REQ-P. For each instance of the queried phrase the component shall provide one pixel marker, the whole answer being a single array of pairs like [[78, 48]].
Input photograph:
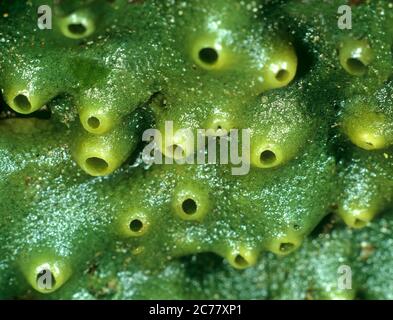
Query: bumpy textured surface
[[76, 198]]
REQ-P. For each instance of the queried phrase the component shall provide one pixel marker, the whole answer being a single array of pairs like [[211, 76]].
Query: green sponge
[[84, 213]]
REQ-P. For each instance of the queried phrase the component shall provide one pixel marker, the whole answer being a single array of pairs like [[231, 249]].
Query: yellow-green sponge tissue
[[196, 149]]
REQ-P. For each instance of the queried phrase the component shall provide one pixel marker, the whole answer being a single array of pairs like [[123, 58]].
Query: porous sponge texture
[[78, 200]]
